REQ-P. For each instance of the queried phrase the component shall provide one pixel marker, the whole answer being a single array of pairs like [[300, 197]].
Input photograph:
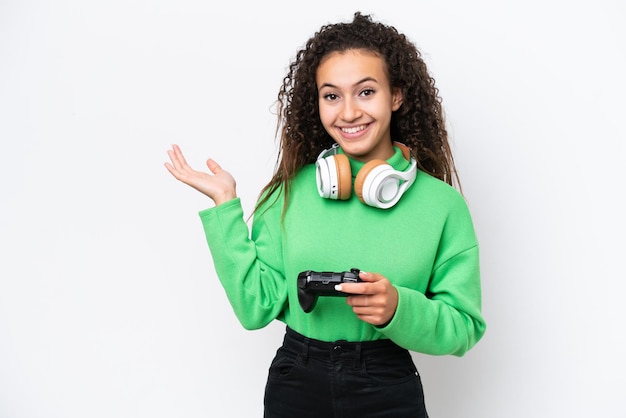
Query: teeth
[[353, 130]]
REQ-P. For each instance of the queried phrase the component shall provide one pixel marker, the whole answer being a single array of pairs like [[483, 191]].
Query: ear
[[396, 99]]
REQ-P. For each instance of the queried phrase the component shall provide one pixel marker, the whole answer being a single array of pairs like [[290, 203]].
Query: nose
[[351, 110]]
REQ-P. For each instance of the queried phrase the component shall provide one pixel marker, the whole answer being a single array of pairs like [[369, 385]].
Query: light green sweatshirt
[[425, 245]]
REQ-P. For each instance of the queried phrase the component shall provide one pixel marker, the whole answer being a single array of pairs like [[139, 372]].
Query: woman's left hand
[[374, 300]]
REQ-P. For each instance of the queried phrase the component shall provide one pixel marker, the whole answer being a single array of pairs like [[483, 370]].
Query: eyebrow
[[364, 80]]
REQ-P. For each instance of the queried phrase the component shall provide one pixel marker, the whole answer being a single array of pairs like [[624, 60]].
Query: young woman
[[365, 179]]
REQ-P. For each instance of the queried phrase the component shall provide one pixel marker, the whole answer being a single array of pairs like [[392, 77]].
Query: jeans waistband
[[294, 338]]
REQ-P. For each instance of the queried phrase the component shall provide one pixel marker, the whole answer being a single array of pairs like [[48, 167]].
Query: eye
[[367, 92], [330, 97]]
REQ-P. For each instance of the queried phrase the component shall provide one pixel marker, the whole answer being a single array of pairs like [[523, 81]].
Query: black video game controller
[[312, 284]]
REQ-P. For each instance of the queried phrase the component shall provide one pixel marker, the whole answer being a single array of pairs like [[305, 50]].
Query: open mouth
[[353, 129]]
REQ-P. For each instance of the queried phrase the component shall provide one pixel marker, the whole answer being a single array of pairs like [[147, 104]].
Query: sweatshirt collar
[[397, 161]]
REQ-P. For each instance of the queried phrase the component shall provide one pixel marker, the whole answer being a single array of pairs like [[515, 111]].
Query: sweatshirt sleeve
[[249, 266], [447, 319]]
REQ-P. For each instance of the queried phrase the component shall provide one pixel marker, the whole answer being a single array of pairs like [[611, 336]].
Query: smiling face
[[356, 102]]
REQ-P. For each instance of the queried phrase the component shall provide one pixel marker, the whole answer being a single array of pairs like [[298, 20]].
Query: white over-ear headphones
[[377, 183]]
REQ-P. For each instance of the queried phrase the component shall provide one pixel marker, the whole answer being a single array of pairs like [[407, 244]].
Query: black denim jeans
[[311, 378]]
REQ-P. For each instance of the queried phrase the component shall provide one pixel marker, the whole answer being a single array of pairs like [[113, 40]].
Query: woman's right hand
[[219, 186]]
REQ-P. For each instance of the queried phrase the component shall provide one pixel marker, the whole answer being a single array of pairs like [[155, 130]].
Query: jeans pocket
[[391, 369], [282, 365]]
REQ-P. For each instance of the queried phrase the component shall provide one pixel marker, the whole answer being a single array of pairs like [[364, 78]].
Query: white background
[[109, 304]]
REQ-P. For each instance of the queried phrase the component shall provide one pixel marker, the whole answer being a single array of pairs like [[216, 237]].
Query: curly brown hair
[[418, 123]]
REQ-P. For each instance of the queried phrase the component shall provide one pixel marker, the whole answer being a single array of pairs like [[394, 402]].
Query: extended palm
[[219, 186]]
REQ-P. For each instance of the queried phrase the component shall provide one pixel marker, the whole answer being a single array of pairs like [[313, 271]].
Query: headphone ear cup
[[344, 177], [359, 182], [334, 177]]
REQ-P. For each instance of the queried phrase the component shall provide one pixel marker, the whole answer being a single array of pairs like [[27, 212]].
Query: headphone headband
[[377, 183]]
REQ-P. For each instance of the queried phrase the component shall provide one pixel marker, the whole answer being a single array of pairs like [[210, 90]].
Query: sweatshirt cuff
[[210, 212]]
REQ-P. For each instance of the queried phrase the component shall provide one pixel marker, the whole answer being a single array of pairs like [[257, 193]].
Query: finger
[[363, 288], [175, 168], [179, 159], [370, 277], [368, 308], [171, 169], [371, 319], [358, 301], [175, 159], [351, 288], [213, 166]]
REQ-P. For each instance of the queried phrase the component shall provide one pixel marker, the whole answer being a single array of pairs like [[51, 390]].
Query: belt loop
[[305, 350], [357, 356]]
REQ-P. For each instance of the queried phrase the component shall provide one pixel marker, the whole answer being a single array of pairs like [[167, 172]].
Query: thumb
[[213, 166]]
